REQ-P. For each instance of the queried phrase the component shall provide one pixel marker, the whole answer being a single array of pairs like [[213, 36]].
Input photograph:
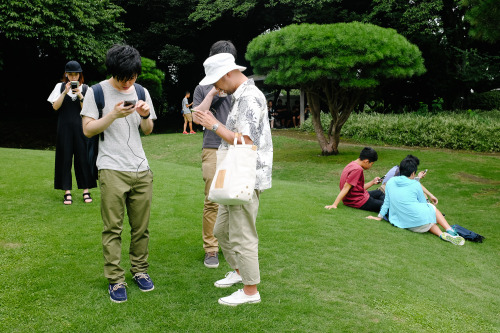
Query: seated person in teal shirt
[[408, 208], [395, 172]]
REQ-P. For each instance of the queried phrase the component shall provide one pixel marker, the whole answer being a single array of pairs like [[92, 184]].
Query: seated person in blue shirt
[[408, 208], [395, 172]]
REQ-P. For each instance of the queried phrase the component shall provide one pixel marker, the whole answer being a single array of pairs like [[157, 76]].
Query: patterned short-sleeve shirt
[[248, 116]]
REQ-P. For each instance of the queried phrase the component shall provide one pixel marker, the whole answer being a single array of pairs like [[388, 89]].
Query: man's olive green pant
[[133, 191]]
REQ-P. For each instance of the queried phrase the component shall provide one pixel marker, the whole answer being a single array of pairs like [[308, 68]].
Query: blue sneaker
[[117, 292], [452, 232], [144, 282]]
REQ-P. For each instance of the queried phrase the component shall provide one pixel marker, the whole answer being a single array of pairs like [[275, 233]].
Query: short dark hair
[[188, 92], [223, 46], [414, 158], [369, 154], [407, 167], [123, 62]]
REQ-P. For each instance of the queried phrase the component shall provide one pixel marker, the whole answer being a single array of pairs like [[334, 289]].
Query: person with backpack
[[125, 179], [67, 99]]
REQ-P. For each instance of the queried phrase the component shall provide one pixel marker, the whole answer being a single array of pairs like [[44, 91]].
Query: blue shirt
[[405, 201]]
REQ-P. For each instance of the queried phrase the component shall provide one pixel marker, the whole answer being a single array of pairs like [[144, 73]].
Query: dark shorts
[[375, 201]]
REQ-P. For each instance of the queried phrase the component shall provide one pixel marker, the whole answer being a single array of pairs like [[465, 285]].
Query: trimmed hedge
[[467, 131], [485, 101]]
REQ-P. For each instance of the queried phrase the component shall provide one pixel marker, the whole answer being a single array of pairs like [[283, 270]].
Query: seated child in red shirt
[[353, 190]]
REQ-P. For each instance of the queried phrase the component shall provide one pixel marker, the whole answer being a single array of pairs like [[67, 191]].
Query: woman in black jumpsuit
[[70, 139]]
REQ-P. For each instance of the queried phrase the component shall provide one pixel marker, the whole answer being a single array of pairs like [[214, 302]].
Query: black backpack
[[93, 146]]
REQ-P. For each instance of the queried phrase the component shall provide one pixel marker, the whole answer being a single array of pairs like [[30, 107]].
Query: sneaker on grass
[[117, 292], [211, 259], [457, 240], [144, 282], [452, 232], [239, 297], [230, 279]]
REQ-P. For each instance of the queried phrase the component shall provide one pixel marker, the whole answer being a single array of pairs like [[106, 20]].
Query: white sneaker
[[239, 297], [230, 279]]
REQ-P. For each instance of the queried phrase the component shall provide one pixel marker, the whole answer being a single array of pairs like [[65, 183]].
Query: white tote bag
[[234, 180]]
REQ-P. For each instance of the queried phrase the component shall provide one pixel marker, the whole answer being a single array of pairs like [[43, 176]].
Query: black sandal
[[66, 199], [87, 196]]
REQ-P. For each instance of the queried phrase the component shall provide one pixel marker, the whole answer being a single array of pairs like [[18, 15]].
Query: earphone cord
[[143, 158]]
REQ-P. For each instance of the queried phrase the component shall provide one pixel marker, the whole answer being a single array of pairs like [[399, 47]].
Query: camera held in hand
[[74, 85]]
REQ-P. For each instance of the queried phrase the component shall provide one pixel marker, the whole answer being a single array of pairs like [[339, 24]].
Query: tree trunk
[[327, 146], [341, 102]]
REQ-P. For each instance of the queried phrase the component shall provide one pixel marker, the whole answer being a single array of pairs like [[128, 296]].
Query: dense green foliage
[[322, 271], [489, 100], [152, 78], [484, 17], [353, 55], [469, 131], [333, 64], [40, 36], [77, 30]]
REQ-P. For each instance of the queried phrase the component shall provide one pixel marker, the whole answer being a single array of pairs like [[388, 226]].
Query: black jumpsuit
[[71, 141]]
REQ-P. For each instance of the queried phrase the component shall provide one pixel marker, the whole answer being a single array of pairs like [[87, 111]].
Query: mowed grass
[[322, 271]]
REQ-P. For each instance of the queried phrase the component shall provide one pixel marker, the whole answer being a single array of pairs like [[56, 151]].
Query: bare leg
[[435, 230], [191, 126], [248, 289], [185, 124], [441, 220]]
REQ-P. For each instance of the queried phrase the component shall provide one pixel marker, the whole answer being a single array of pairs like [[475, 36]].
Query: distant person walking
[[67, 99], [186, 113]]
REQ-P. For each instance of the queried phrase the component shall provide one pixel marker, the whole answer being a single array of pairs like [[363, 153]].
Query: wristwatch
[[215, 127]]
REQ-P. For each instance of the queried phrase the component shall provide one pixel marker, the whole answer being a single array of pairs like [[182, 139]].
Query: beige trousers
[[237, 234], [210, 209]]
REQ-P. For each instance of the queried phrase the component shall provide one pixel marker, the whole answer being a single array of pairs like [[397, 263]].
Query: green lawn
[[322, 271]]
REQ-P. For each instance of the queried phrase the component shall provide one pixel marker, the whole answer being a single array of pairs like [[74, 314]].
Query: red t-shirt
[[357, 195]]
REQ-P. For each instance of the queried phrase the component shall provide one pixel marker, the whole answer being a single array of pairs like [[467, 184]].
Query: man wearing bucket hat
[[235, 227]]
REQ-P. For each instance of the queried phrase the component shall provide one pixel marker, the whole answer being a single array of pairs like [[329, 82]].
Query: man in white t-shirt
[[124, 175]]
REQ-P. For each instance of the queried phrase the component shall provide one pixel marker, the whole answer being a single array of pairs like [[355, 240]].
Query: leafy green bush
[[485, 101], [469, 131]]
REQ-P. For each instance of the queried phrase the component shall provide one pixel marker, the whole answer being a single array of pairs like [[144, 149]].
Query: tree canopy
[[484, 17], [333, 63], [76, 30]]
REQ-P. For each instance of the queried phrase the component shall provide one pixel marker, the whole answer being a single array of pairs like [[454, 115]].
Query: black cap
[[73, 67]]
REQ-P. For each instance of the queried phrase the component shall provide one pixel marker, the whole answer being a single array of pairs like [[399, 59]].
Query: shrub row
[[485, 101], [467, 131]]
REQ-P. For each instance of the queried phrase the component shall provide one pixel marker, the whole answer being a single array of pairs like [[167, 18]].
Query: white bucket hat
[[217, 66]]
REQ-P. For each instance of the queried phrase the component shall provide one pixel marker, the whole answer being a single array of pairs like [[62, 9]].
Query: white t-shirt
[[121, 149]]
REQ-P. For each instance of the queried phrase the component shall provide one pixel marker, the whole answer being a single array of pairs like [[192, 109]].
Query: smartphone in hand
[[74, 84], [129, 103]]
